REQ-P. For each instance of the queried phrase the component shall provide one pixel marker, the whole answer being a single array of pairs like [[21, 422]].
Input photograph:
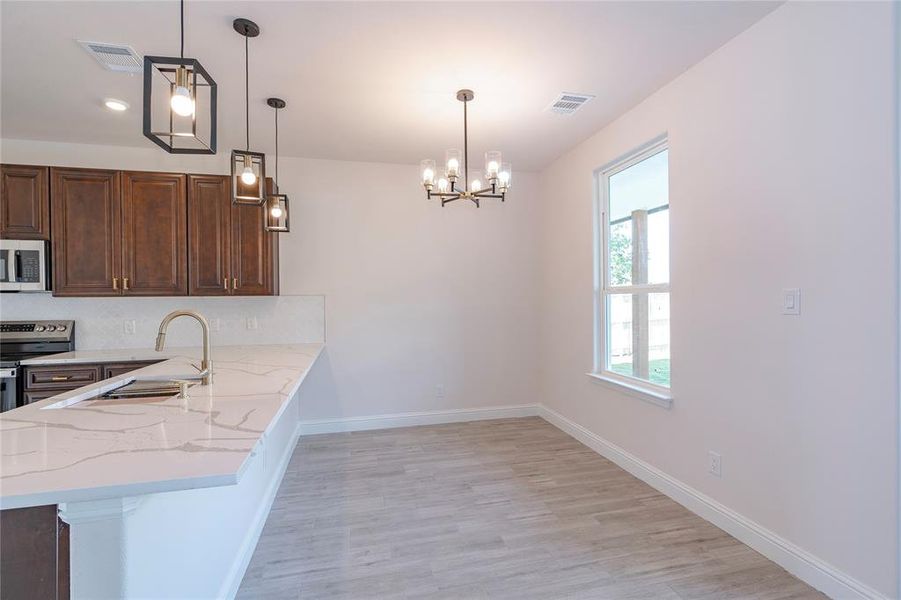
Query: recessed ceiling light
[[116, 105]]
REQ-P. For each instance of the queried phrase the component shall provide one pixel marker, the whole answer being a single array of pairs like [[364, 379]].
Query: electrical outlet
[[251, 322], [129, 326], [715, 463], [439, 391]]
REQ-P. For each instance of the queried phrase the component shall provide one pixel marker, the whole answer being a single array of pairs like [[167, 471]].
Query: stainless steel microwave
[[24, 266]]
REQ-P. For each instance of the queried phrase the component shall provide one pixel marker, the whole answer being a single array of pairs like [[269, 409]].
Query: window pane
[[638, 336], [638, 238]]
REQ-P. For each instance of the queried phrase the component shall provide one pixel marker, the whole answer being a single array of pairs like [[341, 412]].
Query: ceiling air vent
[[567, 103], [114, 57]]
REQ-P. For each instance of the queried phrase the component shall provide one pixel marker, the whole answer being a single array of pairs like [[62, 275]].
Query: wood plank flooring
[[510, 508]]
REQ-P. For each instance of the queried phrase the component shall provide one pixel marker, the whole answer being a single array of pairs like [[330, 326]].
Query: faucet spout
[[206, 365]]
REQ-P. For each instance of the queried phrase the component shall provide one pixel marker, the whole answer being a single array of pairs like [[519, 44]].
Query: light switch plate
[[791, 301]]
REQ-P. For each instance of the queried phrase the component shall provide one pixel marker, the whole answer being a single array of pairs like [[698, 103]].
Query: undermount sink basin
[[147, 389], [129, 390]]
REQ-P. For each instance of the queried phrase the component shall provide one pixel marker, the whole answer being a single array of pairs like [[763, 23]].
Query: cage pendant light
[[276, 202], [179, 102], [248, 168]]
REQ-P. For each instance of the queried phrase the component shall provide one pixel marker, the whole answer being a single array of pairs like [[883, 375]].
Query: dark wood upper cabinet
[[254, 253], [87, 249], [209, 235], [230, 251], [154, 234], [24, 202]]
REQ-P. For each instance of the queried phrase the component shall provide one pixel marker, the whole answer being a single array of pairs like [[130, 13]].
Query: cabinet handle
[[125, 283], [225, 283], [115, 283], [234, 283], [60, 378]]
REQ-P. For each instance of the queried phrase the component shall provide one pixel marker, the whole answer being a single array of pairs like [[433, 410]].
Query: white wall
[[781, 175], [416, 295]]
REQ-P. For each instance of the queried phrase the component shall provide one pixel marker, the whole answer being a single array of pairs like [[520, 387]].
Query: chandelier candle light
[[188, 89], [498, 175], [248, 168], [276, 203]]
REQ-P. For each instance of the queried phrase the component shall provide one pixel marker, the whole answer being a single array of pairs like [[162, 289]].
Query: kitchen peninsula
[[165, 497]]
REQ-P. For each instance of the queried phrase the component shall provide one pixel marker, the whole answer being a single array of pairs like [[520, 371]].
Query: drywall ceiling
[[363, 81]]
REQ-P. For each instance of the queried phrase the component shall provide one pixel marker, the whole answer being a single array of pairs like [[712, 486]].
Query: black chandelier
[[248, 168], [183, 89], [276, 202], [497, 174]]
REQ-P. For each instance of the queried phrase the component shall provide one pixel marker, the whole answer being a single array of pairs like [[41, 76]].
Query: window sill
[[633, 389]]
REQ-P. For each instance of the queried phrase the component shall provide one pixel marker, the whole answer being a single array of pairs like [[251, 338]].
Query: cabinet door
[[209, 235], [87, 252], [116, 369], [254, 252], [24, 202], [154, 228], [60, 377], [30, 547]]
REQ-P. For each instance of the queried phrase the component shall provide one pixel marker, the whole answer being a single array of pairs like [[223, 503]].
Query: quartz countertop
[[95, 449]]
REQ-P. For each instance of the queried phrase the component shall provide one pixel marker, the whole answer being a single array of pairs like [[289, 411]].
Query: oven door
[[8, 388], [24, 264]]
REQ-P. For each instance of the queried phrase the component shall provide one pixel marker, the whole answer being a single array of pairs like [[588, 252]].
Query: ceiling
[[363, 81]]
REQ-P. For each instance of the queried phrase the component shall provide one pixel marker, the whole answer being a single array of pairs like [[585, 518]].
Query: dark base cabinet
[[43, 381], [34, 554]]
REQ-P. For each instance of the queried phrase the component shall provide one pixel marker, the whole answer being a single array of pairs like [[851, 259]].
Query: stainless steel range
[[28, 339]]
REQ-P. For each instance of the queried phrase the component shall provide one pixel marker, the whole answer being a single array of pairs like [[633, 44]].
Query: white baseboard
[[810, 569], [432, 417], [232, 582]]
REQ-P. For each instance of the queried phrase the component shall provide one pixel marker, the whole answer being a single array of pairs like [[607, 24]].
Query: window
[[632, 338]]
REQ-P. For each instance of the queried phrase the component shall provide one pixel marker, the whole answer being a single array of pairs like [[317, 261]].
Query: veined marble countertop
[[106, 356], [96, 449]]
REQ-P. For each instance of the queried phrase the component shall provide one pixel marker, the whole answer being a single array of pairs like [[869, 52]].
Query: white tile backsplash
[[105, 323]]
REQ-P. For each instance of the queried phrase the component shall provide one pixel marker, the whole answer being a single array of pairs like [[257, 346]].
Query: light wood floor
[[494, 509]]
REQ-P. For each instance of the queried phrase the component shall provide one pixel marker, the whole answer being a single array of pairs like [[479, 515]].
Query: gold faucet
[[206, 365]]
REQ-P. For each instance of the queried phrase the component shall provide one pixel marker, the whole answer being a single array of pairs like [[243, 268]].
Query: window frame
[[634, 386]]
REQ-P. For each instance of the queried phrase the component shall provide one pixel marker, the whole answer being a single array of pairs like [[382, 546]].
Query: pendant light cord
[[276, 150], [182, 28], [247, 90]]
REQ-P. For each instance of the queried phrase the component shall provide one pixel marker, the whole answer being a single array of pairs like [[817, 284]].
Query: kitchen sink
[[147, 389]]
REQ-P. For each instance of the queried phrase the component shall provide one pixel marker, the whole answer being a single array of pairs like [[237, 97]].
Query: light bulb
[[181, 102], [504, 177], [442, 184], [276, 212], [428, 175], [248, 177], [452, 166], [492, 167], [475, 186]]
